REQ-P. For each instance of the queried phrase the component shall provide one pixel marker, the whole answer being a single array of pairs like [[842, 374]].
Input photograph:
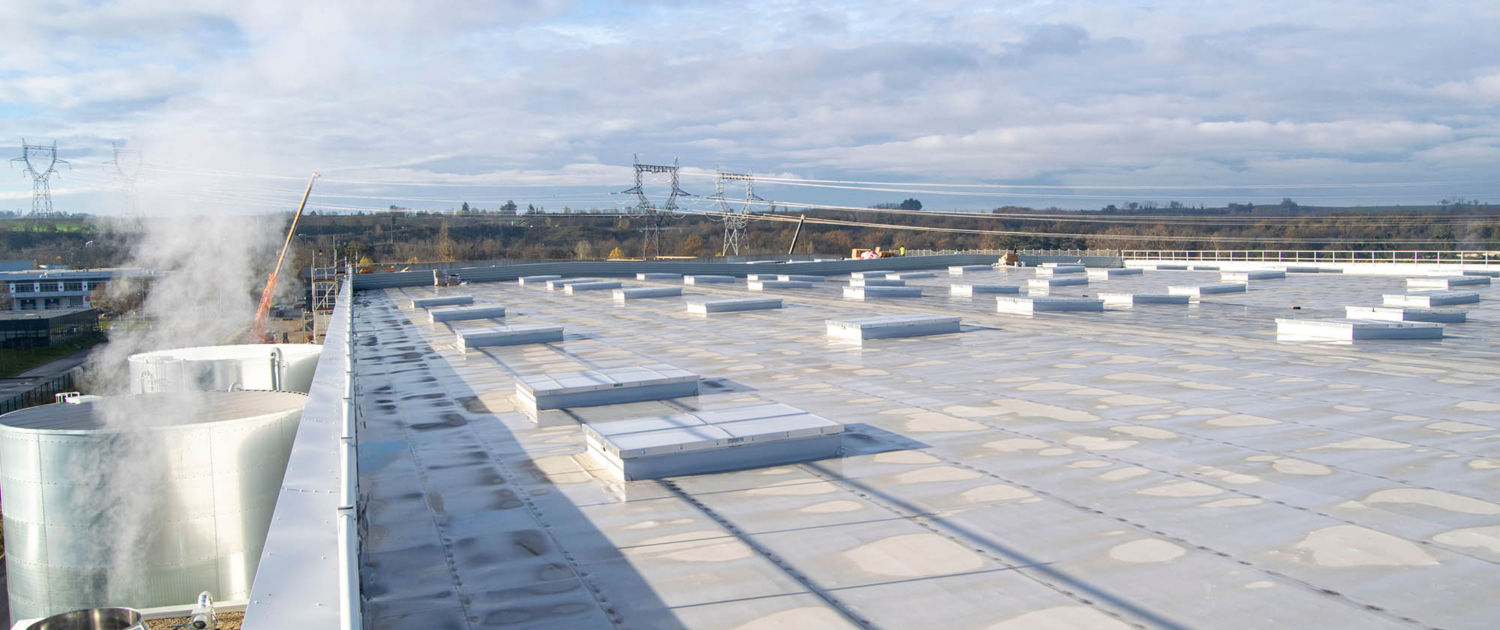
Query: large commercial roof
[[1163, 466]]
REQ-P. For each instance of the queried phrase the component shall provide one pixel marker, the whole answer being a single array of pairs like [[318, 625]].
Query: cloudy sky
[[961, 104]]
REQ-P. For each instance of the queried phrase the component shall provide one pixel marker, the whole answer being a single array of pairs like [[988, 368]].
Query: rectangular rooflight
[[869, 292], [1355, 330], [513, 335], [589, 388], [1131, 299], [646, 292], [891, 326], [1406, 314], [876, 282], [1429, 299], [1246, 276], [722, 440], [465, 312], [446, 300], [1208, 289], [1065, 281], [1046, 304], [535, 280], [1447, 282], [700, 305], [958, 270], [577, 287], [976, 289]]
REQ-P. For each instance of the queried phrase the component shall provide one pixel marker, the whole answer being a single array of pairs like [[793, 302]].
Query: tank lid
[[155, 410], [240, 351]]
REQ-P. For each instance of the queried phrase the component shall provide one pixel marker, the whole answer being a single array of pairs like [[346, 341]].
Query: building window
[[72, 286], [22, 287], [47, 287]]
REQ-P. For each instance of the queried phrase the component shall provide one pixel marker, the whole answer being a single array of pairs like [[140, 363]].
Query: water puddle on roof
[[792, 488], [1458, 427], [1181, 489], [1344, 546], [1081, 617], [904, 457], [1100, 444], [1121, 474], [966, 411], [1482, 538], [1035, 409], [1014, 445], [1235, 502], [805, 617], [1434, 498], [914, 555], [1150, 433], [1298, 467], [833, 507], [1241, 420], [935, 474], [933, 422], [1146, 551], [1364, 443], [698, 546], [995, 492]]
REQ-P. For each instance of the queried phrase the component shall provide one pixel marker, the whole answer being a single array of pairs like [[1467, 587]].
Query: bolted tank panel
[[140, 500], [280, 367]]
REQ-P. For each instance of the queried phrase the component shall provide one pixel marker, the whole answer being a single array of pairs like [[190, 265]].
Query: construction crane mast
[[258, 329]]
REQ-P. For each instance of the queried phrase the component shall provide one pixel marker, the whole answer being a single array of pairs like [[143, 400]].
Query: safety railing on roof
[[1318, 256], [1001, 252]]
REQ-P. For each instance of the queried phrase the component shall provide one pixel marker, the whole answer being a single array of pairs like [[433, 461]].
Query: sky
[[964, 105]]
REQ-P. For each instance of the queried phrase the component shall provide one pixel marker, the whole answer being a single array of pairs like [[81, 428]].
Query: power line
[[797, 180], [1125, 237]]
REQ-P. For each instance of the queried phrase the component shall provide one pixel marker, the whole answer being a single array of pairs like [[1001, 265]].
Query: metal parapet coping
[[629, 269], [306, 569]]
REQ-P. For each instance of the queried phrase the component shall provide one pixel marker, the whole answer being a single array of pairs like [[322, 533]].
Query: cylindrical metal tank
[[286, 367], [140, 500]]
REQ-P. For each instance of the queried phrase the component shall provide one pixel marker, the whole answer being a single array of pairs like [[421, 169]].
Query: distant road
[[28, 379]]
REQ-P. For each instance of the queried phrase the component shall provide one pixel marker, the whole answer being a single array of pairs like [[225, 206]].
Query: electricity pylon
[[654, 217], [34, 156]]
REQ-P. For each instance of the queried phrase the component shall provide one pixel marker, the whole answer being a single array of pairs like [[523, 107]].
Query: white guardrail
[[1407, 257]]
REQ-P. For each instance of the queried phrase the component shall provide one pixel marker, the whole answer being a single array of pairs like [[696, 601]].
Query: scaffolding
[[325, 291]]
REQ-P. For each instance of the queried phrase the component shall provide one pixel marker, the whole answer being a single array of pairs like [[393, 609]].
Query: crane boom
[[258, 329]]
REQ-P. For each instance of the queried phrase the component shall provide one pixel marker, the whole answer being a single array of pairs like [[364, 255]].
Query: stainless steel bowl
[[92, 619]]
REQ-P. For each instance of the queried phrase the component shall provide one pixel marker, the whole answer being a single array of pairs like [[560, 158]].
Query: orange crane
[[258, 329]]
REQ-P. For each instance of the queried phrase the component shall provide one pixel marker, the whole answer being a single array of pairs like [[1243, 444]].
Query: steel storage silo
[[140, 500], [286, 367]]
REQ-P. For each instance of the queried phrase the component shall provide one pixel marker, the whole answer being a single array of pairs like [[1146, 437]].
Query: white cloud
[[555, 93]]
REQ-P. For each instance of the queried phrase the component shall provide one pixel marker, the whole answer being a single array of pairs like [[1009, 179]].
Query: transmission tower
[[652, 216], [127, 163], [33, 156], [734, 222]]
